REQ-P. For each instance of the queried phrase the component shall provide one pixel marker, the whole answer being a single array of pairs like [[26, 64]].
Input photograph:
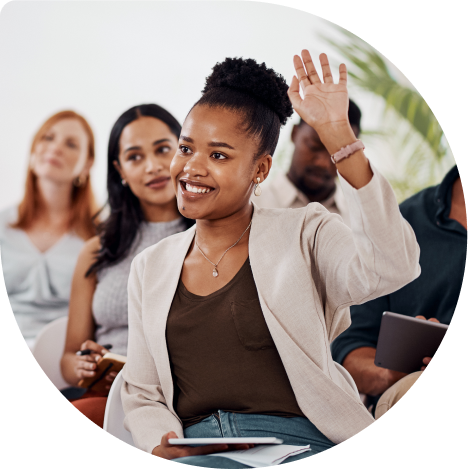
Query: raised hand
[[324, 104]]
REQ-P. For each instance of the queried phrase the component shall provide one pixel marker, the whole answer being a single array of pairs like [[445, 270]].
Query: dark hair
[[120, 229], [256, 92], [354, 116]]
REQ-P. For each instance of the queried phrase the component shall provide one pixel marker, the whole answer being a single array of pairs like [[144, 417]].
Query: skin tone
[[457, 208], [371, 379], [58, 159], [217, 155], [147, 146], [312, 171]]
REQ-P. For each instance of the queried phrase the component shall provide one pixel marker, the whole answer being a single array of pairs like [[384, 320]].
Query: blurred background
[[100, 58]]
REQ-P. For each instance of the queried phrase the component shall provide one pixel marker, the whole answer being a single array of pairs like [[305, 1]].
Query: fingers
[[300, 72], [208, 449], [310, 67], [165, 438], [427, 360], [165, 449], [431, 319], [293, 93], [238, 447], [326, 72], [111, 376], [343, 74], [85, 367], [91, 345]]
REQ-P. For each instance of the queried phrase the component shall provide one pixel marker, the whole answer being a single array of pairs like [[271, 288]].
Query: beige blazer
[[309, 267], [282, 193]]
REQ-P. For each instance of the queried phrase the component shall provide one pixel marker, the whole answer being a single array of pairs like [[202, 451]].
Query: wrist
[[336, 135]]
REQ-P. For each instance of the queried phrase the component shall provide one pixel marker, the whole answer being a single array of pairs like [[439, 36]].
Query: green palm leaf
[[417, 153], [369, 71]]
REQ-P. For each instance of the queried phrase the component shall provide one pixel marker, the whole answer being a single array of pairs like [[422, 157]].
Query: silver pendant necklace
[[215, 270]]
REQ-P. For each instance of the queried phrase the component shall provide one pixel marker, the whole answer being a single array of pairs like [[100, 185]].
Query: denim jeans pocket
[[251, 327]]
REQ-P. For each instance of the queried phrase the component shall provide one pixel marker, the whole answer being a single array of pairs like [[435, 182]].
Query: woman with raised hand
[[143, 210], [42, 237], [234, 339]]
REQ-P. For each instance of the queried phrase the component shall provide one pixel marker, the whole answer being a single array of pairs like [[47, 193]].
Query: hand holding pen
[[87, 358]]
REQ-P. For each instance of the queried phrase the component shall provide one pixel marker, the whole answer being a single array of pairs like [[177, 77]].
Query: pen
[[89, 351]]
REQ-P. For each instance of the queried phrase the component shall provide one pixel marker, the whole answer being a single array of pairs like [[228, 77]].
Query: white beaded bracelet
[[347, 151]]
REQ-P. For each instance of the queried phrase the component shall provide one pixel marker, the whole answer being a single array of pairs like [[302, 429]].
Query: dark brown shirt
[[222, 354]]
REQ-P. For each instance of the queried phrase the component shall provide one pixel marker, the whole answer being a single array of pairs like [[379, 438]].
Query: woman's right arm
[[80, 329]]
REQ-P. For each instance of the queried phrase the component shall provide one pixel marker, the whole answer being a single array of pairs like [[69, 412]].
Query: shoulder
[[166, 248], [92, 245], [293, 222], [8, 215], [88, 253], [411, 208]]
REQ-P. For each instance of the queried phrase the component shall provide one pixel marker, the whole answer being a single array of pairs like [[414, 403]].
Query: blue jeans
[[293, 431]]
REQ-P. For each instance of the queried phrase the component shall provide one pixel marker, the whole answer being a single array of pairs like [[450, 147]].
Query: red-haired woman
[[42, 237]]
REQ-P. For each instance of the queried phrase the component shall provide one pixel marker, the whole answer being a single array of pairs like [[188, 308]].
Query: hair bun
[[255, 79]]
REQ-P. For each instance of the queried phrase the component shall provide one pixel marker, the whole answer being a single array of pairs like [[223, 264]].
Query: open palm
[[324, 103]]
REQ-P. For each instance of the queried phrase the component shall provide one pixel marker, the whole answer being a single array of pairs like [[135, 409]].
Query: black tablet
[[404, 341]]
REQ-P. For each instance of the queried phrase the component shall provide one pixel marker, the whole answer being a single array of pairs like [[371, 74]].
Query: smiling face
[[214, 169], [61, 154], [147, 146]]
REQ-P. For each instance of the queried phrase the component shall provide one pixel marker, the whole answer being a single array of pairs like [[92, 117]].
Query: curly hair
[[258, 93]]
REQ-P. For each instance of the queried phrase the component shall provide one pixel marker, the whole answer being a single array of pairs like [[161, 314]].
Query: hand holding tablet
[[167, 450], [404, 342]]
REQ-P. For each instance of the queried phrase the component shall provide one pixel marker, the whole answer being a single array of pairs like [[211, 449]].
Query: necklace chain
[[215, 270]]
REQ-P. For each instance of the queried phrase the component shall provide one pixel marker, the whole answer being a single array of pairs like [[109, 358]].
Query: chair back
[[48, 350], [114, 414]]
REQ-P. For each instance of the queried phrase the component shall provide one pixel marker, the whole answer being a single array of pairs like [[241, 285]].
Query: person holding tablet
[[234, 339], [438, 217]]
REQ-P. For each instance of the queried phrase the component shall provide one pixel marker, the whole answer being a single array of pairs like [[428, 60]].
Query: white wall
[[100, 58]]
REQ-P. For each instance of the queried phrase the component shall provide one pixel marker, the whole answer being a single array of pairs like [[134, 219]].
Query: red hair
[[83, 205]]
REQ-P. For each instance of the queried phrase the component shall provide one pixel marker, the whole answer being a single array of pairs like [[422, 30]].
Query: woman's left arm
[[380, 254], [325, 108]]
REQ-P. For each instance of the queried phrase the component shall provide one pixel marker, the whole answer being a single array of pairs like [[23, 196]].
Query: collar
[[289, 192], [443, 201]]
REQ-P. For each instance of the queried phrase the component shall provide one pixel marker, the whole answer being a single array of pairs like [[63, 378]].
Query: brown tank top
[[222, 354]]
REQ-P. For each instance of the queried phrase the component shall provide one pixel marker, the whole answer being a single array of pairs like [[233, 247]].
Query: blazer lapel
[[157, 307]]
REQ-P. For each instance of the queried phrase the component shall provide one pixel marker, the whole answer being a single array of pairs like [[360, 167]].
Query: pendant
[[258, 190], [215, 272]]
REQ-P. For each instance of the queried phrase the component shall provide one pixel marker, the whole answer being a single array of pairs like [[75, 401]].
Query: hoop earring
[[124, 182], [258, 189], [77, 182]]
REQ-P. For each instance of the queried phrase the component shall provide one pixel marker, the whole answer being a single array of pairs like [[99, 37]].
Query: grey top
[[110, 298], [38, 283]]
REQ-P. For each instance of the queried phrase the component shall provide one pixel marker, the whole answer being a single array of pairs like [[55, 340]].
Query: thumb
[[293, 93], [167, 436]]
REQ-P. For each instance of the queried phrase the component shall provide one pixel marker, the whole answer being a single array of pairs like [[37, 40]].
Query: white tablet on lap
[[225, 441]]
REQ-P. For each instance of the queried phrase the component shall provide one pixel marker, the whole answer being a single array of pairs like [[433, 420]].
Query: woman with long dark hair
[[143, 210], [234, 339]]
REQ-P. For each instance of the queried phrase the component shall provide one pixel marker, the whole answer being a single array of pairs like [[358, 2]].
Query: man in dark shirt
[[438, 218]]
